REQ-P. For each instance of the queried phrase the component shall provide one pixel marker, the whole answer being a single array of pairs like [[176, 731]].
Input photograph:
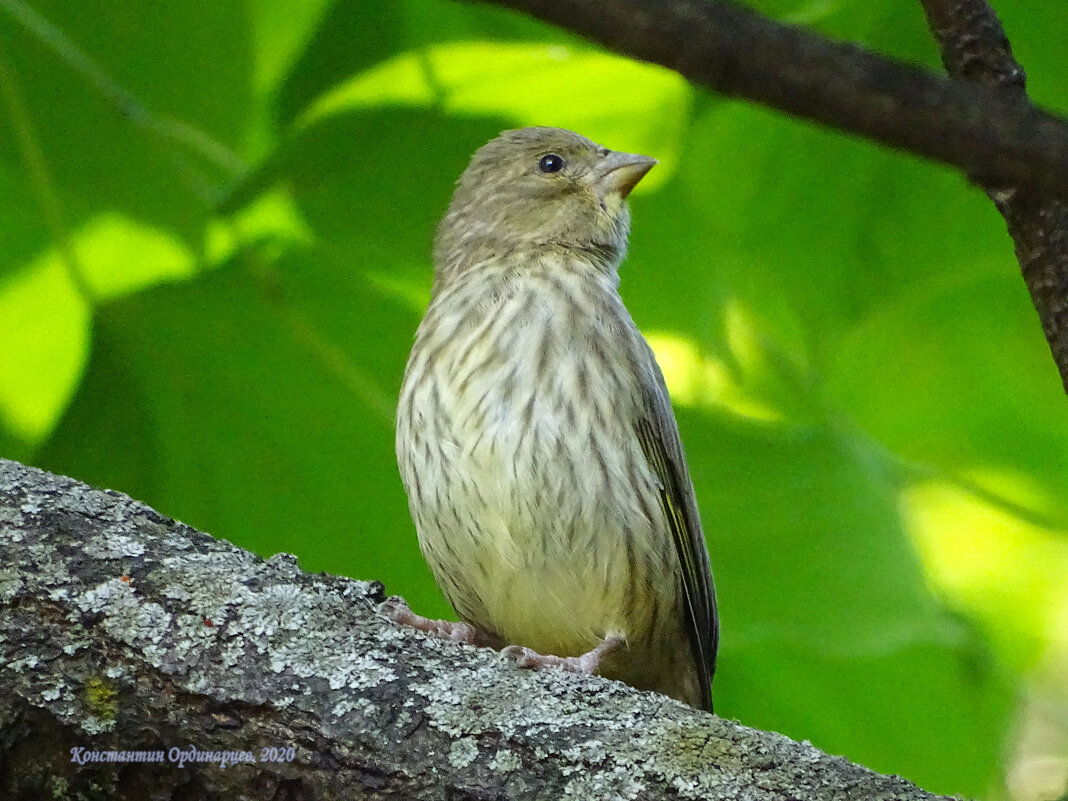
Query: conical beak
[[620, 172]]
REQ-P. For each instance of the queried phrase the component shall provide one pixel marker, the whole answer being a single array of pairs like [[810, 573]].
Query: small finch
[[535, 436]]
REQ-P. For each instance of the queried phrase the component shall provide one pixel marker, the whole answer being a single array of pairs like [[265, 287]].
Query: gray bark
[[122, 630]]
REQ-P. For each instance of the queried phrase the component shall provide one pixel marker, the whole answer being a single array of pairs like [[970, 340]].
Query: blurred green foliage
[[208, 288]]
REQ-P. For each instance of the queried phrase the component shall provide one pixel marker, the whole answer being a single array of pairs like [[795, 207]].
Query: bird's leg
[[586, 664], [397, 610]]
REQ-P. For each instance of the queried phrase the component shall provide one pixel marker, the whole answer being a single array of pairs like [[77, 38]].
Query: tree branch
[[986, 127], [122, 631], [735, 51], [975, 48]]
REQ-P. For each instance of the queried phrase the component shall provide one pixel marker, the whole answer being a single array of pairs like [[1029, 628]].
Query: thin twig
[[41, 182], [167, 128]]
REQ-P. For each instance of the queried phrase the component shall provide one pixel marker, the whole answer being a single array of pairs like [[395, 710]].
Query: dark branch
[[984, 125], [124, 631], [975, 48], [735, 51]]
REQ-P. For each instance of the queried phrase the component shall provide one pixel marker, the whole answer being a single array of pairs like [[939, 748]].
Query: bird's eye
[[550, 163]]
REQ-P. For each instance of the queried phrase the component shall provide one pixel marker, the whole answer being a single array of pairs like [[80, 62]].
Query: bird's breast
[[536, 500], [539, 394]]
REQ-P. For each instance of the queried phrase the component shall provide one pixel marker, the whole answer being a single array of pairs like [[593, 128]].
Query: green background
[[215, 222]]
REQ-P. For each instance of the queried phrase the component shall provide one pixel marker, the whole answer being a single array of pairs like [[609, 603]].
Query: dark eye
[[551, 163]]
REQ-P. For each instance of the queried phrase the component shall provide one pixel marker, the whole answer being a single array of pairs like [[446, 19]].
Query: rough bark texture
[[735, 51], [975, 48], [123, 630]]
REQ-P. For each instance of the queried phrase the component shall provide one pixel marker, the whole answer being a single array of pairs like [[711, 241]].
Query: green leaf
[[354, 36], [187, 62]]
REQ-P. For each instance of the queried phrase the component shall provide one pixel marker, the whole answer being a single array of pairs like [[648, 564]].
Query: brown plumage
[[535, 436]]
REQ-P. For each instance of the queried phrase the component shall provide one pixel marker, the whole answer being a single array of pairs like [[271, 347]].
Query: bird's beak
[[620, 172]]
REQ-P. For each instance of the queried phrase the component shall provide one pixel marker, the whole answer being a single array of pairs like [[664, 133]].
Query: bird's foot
[[586, 664], [397, 610]]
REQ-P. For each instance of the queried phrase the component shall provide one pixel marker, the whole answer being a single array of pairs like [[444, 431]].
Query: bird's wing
[[659, 437]]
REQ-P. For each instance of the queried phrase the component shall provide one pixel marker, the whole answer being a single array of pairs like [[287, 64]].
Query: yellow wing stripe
[[698, 608]]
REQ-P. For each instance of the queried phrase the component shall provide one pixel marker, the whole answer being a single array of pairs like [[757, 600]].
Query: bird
[[535, 436]]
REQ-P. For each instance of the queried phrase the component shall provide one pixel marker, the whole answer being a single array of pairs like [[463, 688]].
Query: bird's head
[[540, 188]]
